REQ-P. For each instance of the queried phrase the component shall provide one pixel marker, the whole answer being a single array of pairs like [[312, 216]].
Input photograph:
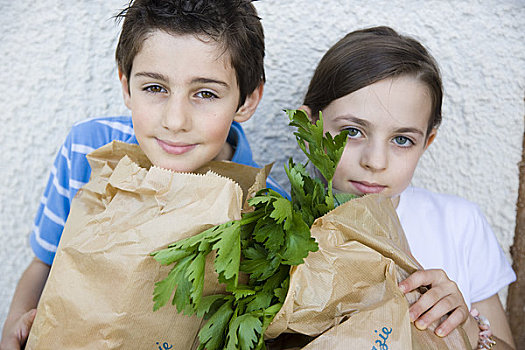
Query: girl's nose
[[374, 157], [177, 115]]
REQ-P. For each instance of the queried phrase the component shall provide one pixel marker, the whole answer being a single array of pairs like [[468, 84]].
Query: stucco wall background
[[58, 68]]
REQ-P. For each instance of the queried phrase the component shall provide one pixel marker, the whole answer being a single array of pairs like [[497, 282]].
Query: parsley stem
[[330, 198], [251, 217]]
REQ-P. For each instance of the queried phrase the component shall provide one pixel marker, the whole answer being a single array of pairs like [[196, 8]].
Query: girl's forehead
[[401, 101]]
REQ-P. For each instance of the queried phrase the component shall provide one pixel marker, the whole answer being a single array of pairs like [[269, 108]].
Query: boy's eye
[[353, 132], [207, 95], [156, 89], [403, 141]]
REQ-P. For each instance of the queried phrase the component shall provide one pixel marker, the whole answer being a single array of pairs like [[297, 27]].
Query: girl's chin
[[395, 201]]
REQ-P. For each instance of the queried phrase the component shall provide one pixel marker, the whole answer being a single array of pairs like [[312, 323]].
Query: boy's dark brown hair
[[233, 24], [366, 56]]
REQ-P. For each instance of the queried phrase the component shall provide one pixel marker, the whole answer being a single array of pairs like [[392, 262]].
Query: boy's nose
[[177, 115], [374, 157]]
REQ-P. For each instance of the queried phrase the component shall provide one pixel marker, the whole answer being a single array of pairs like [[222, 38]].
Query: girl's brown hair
[[366, 56]]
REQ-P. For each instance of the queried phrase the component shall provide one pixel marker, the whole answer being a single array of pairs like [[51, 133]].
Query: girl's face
[[387, 123]]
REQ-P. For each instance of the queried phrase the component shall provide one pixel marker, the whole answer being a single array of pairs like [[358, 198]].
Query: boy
[[190, 72]]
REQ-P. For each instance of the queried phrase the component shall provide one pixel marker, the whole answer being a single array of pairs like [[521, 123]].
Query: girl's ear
[[308, 111], [431, 137], [126, 94], [251, 102]]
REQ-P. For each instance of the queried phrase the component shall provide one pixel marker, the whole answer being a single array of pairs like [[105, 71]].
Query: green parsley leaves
[[263, 244]]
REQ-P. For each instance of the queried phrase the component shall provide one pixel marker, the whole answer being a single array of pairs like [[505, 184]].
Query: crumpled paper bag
[[346, 295], [100, 288]]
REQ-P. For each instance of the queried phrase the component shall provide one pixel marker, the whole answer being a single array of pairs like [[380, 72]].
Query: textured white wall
[[58, 68]]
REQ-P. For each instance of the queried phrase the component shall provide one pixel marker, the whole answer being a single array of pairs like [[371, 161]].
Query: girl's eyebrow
[[410, 130], [365, 123], [354, 119]]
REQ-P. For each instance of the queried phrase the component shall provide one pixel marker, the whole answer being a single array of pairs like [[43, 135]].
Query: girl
[[385, 89]]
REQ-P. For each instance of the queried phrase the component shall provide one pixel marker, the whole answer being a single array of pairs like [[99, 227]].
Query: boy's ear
[[251, 102], [431, 137], [125, 88]]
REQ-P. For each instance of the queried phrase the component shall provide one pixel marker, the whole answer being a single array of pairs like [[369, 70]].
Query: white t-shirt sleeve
[[489, 269], [450, 233]]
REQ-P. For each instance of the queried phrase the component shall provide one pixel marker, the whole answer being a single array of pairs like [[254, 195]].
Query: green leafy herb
[[263, 244]]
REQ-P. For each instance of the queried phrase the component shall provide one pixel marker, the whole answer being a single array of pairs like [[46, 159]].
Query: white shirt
[[450, 233]]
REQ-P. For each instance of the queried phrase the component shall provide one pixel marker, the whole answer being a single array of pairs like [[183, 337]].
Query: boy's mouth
[[367, 187], [175, 148]]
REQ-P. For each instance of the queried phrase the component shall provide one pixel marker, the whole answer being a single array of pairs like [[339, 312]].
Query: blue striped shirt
[[71, 171]]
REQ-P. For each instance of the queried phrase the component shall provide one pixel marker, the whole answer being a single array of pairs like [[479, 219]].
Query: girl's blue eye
[[403, 141], [353, 132], [207, 95], [155, 89]]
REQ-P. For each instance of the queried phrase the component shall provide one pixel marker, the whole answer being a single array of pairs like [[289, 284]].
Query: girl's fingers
[[457, 317], [441, 299], [444, 306], [426, 302], [422, 278]]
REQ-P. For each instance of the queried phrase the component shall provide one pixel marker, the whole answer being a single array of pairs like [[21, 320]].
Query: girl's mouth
[[367, 187]]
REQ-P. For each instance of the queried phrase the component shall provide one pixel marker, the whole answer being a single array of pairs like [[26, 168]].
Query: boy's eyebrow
[[152, 75], [366, 123], [209, 81], [199, 80]]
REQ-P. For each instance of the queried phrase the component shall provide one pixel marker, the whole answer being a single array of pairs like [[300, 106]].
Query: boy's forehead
[[212, 47], [189, 55]]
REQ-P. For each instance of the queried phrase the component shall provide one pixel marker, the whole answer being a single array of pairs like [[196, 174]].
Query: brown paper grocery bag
[[345, 295], [100, 288]]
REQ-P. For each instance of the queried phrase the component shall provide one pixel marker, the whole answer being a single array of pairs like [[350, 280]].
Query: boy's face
[[387, 122], [183, 96]]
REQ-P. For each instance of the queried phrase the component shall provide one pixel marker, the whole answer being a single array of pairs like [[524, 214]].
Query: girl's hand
[[441, 299]]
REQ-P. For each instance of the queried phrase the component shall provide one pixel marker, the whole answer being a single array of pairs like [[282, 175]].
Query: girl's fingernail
[[420, 325], [402, 287], [440, 332], [412, 316]]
